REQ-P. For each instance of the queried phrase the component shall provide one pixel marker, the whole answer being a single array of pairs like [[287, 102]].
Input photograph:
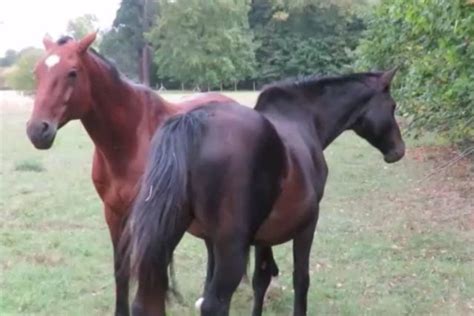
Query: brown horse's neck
[[120, 111]]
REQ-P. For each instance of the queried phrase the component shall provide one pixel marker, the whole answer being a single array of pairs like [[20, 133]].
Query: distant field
[[392, 239]]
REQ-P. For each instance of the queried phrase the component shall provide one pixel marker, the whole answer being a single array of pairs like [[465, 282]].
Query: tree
[[125, 43], [203, 42], [82, 25], [432, 42], [21, 76], [303, 37], [9, 59]]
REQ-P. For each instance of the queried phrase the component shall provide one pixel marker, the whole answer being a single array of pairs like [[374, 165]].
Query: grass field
[[392, 239]]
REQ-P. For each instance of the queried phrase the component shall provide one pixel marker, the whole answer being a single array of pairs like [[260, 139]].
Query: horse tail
[[161, 213]]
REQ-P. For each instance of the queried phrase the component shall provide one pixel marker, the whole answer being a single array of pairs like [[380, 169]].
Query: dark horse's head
[[377, 123], [62, 89]]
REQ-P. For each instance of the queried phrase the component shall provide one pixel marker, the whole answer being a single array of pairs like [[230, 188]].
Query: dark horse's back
[[237, 170], [217, 171]]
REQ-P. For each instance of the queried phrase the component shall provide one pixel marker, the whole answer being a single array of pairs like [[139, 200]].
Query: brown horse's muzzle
[[41, 133], [395, 154]]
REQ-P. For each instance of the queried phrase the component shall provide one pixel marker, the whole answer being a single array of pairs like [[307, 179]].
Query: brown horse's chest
[[117, 189]]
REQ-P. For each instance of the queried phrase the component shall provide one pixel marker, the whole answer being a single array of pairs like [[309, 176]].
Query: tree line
[[227, 44], [216, 44]]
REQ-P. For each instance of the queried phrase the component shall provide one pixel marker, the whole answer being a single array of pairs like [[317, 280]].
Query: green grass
[[29, 165], [377, 250]]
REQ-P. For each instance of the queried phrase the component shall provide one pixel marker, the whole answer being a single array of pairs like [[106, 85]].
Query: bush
[[432, 42], [21, 76]]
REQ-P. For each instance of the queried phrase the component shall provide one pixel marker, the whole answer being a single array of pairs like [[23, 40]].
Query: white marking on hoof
[[52, 60], [198, 303]]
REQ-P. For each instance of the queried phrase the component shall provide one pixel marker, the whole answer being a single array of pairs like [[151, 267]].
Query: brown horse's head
[[62, 89], [378, 124]]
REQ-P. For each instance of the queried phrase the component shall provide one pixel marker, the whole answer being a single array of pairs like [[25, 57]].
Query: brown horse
[[239, 177], [75, 82]]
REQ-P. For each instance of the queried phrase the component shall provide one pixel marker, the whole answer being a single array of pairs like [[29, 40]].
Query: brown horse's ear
[[47, 42], [85, 42], [387, 77]]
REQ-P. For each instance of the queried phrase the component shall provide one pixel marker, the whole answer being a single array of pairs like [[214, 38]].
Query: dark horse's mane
[[286, 89], [115, 73], [317, 80]]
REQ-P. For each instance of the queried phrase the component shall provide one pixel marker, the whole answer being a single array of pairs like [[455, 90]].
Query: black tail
[[160, 215]]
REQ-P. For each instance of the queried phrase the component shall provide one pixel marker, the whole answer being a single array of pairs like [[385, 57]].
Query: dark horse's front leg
[[116, 224], [301, 251]]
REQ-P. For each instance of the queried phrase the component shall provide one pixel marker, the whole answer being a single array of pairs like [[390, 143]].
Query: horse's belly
[[197, 230], [285, 221]]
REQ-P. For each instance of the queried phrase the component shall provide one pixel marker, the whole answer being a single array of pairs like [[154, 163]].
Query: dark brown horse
[[240, 177], [74, 82]]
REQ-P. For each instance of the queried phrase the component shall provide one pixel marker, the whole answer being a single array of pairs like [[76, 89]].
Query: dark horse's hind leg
[[210, 265], [301, 251], [115, 223], [265, 268], [229, 266]]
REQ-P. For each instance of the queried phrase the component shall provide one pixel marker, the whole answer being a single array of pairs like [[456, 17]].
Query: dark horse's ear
[[85, 42], [47, 42], [387, 77]]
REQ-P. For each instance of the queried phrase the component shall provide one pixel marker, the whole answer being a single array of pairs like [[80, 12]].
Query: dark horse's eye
[[72, 74]]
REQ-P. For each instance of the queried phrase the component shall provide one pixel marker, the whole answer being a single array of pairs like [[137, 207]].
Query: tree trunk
[[145, 51], [145, 63]]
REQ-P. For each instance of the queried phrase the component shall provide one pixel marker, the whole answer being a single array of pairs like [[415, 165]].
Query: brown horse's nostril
[[41, 133], [44, 127]]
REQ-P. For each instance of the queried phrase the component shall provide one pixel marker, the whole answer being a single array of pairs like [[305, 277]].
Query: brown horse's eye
[[72, 74]]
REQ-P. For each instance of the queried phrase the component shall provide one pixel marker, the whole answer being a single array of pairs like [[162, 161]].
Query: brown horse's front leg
[[116, 223]]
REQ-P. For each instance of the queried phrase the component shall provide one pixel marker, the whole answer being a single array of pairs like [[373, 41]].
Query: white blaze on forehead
[[52, 60]]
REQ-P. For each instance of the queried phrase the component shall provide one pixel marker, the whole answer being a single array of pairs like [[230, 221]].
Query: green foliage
[[116, 47], [21, 76], [9, 59], [432, 41], [82, 25], [124, 42], [303, 37], [203, 42]]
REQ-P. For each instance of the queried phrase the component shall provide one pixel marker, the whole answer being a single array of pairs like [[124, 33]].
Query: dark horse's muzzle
[[395, 154], [41, 133]]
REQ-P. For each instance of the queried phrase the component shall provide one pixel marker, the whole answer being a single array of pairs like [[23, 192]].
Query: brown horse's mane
[[112, 68]]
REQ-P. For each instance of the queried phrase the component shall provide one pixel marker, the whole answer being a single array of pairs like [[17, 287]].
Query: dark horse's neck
[[325, 107], [118, 108]]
